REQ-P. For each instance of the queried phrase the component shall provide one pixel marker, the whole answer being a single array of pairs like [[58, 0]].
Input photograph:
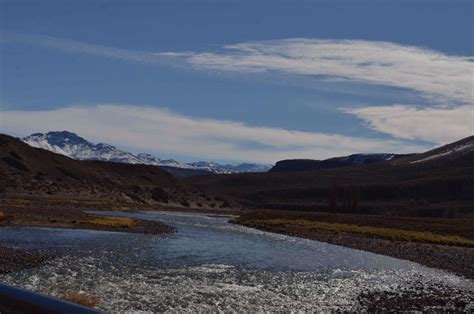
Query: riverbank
[[373, 235], [12, 259], [27, 213], [78, 219]]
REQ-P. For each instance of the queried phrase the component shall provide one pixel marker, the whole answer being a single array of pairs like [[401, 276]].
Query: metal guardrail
[[19, 301]]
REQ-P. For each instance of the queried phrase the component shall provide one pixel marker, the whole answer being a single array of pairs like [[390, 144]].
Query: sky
[[240, 81]]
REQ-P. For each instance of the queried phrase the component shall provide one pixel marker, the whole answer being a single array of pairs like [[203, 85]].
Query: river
[[208, 264]]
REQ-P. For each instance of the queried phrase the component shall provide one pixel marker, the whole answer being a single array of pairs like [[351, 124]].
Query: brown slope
[[438, 187], [25, 170], [452, 151]]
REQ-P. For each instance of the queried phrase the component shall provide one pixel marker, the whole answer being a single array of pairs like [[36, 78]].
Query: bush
[[160, 195], [225, 205], [15, 155], [15, 164], [79, 298], [110, 222]]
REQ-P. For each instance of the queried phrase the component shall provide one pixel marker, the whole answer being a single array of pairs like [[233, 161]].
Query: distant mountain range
[[448, 151], [76, 147]]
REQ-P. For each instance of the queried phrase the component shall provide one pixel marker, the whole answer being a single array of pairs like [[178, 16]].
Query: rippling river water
[[209, 264]]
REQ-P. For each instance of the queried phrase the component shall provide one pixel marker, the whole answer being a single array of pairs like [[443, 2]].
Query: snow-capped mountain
[[76, 147]]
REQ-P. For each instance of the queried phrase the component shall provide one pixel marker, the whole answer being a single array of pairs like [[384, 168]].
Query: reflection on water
[[209, 264]]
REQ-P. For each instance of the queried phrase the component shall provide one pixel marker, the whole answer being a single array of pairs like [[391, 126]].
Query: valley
[[415, 208]]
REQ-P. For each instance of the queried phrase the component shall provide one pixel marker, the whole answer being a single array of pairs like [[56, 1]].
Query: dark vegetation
[[160, 195]]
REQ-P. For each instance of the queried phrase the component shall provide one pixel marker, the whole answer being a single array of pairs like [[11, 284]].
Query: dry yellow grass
[[111, 222], [120, 208], [79, 298], [19, 203], [385, 233]]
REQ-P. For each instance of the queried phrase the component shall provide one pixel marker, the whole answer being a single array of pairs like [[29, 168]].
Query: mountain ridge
[[296, 165], [74, 146]]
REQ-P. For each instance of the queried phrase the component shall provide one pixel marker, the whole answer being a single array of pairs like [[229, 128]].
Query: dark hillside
[[25, 171], [441, 186], [295, 165], [444, 153]]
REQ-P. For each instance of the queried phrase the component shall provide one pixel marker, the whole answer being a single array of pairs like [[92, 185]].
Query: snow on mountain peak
[[450, 150], [76, 147]]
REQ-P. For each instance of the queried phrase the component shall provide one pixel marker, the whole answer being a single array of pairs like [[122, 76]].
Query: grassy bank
[[446, 244], [45, 214], [377, 232], [110, 222]]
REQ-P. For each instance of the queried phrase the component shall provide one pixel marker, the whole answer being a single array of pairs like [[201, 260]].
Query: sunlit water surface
[[209, 264]]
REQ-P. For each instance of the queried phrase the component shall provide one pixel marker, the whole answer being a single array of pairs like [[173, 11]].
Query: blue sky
[[240, 80]]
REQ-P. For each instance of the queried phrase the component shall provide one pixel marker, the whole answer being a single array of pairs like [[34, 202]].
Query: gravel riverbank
[[458, 260]]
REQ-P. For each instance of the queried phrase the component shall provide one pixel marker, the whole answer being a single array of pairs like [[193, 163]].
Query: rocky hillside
[[25, 170]]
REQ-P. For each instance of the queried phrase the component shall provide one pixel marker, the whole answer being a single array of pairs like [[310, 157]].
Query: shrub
[[19, 203], [15, 155], [160, 195], [68, 173], [18, 165], [226, 204], [110, 222], [79, 298]]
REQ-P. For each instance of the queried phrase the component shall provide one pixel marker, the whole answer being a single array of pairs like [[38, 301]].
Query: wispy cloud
[[153, 129], [432, 73], [436, 125], [446, 80], [75, 46]]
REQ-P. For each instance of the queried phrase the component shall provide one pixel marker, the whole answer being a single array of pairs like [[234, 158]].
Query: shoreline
[[14, 259], [454, 259], [78, 218]]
